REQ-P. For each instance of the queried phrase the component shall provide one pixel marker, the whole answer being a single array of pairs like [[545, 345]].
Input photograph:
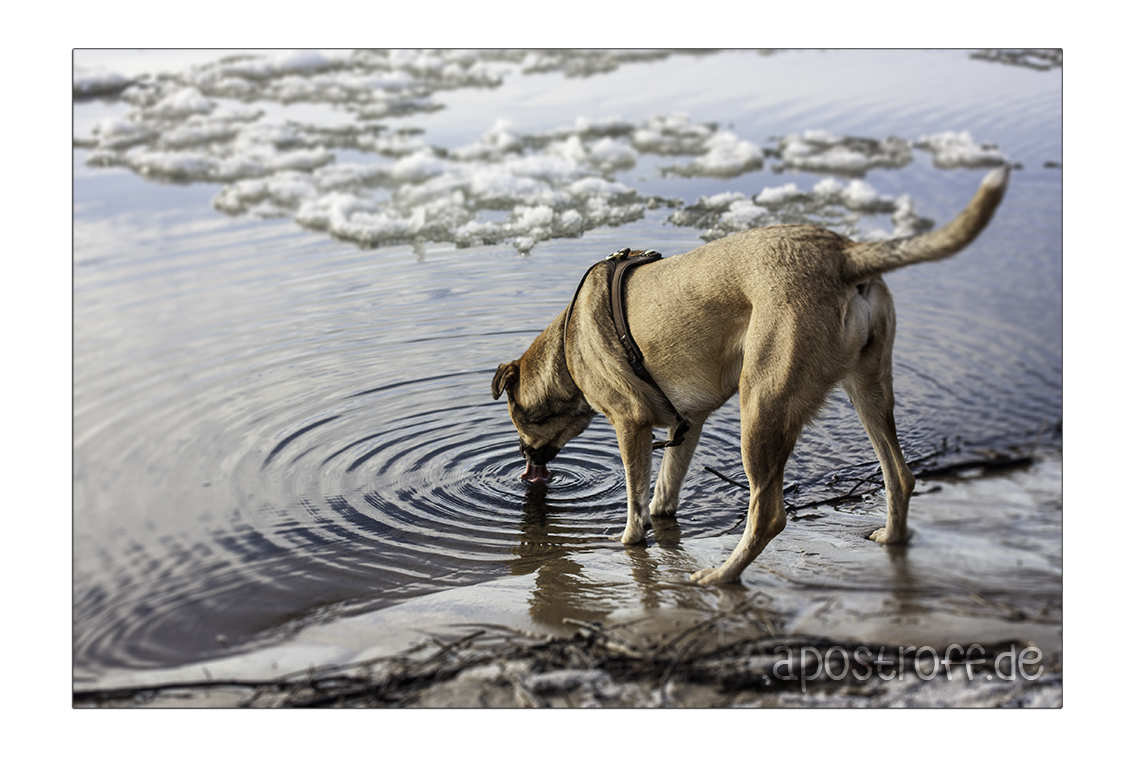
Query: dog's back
[[781, 254]]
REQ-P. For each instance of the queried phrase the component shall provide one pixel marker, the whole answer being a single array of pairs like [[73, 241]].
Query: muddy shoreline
[[597, 667]]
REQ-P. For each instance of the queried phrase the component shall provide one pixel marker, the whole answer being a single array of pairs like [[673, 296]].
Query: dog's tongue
[[536, 474]]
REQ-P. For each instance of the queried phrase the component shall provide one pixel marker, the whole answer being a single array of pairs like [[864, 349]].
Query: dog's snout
[[539, 455]]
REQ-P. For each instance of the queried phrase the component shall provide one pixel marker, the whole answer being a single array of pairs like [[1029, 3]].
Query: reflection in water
[[558, 591], [537, 522], [909, 597], [561, 588], [644, 577], [648, 566]]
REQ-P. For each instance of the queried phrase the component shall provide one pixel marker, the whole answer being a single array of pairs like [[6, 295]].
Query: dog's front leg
[[676, 462], [635, 448]]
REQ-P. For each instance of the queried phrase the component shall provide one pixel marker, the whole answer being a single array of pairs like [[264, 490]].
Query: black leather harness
[[620, 265]]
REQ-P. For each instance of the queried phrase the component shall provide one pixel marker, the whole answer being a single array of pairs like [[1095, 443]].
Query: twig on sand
[[727, 479], [997, 462], [993, 461], [614, 641]]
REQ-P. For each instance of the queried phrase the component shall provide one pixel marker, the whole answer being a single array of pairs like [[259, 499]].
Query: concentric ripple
[[439, 479]]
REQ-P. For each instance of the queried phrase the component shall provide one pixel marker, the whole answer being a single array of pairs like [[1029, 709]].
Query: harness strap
[[620, 264]]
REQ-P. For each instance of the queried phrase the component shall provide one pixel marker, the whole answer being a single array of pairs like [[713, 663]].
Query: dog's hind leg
[[635, 448], [768, 436], [676, 462], [869, 385]]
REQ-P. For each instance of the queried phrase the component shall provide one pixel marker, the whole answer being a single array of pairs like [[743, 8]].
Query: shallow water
[[275, 427]]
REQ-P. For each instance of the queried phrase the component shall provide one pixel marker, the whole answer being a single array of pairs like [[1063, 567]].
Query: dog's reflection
[[909, 594], [563, 589], [546, 547]]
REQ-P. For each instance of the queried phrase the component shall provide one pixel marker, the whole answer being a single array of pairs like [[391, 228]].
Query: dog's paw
[[883, 536], [633, 536], [712, 577]]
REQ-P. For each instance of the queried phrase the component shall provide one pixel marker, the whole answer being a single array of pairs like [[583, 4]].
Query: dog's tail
[[873, 258]]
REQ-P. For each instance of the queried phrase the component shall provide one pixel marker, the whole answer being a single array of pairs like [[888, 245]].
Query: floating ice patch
[[586, 62], [830, 203], [204, 124], [276, 195], [1039, 59], [293, 62], [779, 195], [494, 144], [349, 217], [85, 83], [393, 144], [553, 193], [905, 222], [725, 156], [193, 133], [188, 166], [528, 218], [858, 195], [609, 155], [595, 128], [119, 133], [718, 154], [823, 152], [721, 201], [672, 135], [179, 104], [959, 150], [306, 76], [741, 215]]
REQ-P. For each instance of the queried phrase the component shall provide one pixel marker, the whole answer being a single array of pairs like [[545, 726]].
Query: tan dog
[[780, 314]]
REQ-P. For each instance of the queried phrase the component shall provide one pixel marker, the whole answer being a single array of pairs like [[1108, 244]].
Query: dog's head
[[545, 420]]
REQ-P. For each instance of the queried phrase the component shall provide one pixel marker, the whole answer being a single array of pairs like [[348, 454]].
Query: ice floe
[[209, 124], [824, 152], [430, 196], [1039, 59], [724, 156], [829, 203], [672, 135], [86, 83], [958, 149], [588, 62], [832, 153]]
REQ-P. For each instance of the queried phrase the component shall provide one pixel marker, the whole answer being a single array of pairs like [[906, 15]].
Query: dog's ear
[[506, 378]]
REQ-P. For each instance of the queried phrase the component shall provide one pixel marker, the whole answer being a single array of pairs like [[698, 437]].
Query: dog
[[779, 315]]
